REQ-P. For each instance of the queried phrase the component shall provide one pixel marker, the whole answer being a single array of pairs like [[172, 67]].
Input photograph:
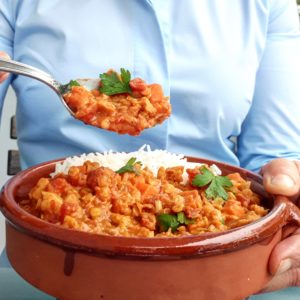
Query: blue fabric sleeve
[[7, 8], [272, 127]]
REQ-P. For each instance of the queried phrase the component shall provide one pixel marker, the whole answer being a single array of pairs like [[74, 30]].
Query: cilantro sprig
[[67, 87], [216, 184], [166, 221], [112, 83], [130, 167]]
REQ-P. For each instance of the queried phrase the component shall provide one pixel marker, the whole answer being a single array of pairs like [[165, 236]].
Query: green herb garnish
[[67, 87], [130, 167], [216, 184], [166, 221], [113, 84]]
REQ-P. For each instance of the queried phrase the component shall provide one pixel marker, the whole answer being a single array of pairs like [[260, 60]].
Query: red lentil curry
[[120, 104], [132, 201]]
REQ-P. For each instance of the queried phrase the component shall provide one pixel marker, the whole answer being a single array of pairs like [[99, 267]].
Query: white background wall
[[5, 144]]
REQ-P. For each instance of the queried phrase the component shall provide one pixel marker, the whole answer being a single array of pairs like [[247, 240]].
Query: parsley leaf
[[130, 167], [166, 221], [217, 184], [113, 84], [182, 219], [204, 178], [125, 75], [67, 87]]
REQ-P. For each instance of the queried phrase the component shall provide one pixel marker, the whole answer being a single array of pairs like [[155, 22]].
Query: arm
[[6, 41], [272, 127]]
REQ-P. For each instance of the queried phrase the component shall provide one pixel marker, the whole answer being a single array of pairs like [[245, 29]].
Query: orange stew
[[125, 113], [96, 199]]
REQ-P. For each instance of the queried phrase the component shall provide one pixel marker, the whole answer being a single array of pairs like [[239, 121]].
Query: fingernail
[[285, 265], [283, 180]]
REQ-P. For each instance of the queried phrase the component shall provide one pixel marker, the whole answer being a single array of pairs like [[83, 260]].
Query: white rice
[[153, 159]]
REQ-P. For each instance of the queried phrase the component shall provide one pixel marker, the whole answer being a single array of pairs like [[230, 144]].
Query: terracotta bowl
[[72, 265]]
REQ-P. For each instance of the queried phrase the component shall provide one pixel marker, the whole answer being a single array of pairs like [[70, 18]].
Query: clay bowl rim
[[283, 212]]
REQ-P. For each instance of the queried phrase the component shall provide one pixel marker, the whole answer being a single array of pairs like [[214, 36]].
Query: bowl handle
[[292, 211]]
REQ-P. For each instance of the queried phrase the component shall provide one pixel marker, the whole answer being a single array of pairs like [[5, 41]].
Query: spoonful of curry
[[113, 102]]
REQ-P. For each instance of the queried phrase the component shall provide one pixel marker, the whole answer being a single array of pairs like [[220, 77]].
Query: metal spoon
[[11, 66]]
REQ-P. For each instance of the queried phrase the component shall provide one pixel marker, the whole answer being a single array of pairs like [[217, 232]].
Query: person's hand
[[282, 177], [3, 75]]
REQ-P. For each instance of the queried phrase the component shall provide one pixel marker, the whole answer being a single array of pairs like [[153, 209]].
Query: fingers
[[282, 177], [284, 264], [289, 249], [284, 280], [3, 75]]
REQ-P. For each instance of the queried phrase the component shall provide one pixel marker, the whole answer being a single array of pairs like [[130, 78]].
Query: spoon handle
[[11, 66]]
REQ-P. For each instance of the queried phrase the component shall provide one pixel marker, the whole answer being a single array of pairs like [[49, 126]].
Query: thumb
[[4, 55], [282, 177], [3, 75]]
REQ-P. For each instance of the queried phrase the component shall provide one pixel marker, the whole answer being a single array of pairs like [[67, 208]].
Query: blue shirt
[[231, 69]]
